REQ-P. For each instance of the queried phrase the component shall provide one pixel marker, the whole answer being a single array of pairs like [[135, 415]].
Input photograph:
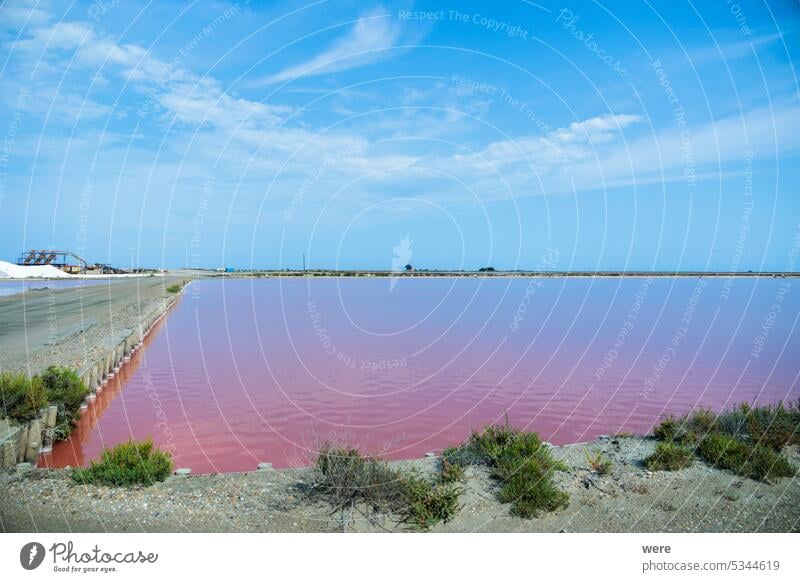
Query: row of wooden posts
[[25, 443]]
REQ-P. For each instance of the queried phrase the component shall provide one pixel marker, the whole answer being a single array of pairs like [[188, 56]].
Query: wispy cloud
[[16, 13], [709, 145], [366, 42], [732, 50], [553, 152], [171, 89], [592, 154], [392, 150], [596, 129]]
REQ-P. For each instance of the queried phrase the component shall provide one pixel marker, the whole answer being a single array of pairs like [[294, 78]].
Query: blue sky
[[654, 135]]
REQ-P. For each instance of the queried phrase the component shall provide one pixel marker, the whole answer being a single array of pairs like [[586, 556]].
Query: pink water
[[248, 371]]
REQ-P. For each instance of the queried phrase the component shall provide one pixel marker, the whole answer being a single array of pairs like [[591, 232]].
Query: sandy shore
[[72, 326], [631, 499]]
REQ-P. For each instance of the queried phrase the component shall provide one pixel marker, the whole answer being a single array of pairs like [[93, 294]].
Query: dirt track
[[69, 326]]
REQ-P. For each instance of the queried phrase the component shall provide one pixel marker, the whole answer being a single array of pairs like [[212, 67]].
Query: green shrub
[[463, 455], [701, 421], [767, 465], [744, 458], [23, 397], [733, 422], [773, 426], [496, 441], [688, 428], [451, 472], [426, 503], [599, 463], [173, 289], [520, 462], [669, 456], [527, 483], [666, 430], [126, 465], [746, 439], [66, 391], [347, 479]]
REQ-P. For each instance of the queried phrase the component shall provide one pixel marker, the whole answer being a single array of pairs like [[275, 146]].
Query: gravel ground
[[631, 499], [68, 327]]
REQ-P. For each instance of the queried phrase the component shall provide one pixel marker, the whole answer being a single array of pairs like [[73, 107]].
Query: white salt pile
[[11, 271]]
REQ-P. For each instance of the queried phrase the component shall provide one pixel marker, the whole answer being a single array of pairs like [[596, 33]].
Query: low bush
[[744, 458], [173, 289], [520, 462], [451, 472], [126, 465], [747, 439], [23, 397], [733, 422], [67, 391], [773, 426], [496, 441], [346, 477], [599, 463], [463, 455], [425, 504], [666, 429], [350, 481], [669, 456], [686, 429], [527, 483]]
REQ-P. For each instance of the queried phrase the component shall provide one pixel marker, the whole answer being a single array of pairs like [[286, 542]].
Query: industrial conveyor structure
[[67, 261]]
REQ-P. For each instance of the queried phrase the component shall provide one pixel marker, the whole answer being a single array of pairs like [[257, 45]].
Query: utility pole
[[304, 262]]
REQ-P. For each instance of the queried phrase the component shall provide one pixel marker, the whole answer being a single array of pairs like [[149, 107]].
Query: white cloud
[[765, 131], [365, 43], [204, 101], [15, 14], [559, 149], [181, 94], [264, 141], [589, 154], [595, 130]]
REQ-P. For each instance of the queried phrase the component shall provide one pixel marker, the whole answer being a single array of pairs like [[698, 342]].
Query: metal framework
[[60, 259]]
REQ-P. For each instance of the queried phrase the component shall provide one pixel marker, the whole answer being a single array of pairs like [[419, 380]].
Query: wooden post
[[34, 441]]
